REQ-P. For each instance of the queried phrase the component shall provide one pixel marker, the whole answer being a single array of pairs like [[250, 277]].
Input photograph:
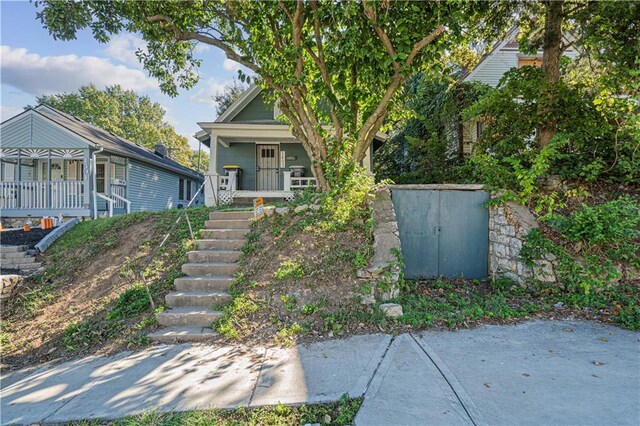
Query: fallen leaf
[[526, 374], [568, 330], [487, 385], [598, 363], [604, 339]]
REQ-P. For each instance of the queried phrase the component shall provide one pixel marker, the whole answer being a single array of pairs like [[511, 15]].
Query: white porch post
[[287, 180], [211, 179]]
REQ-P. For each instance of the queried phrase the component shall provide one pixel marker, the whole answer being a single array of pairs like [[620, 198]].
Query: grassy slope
[[90, 298]]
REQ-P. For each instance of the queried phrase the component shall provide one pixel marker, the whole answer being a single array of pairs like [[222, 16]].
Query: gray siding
[[243, 155], [34, 131], [48, 135], [151, 188], [257, 110], [17, 134], [491, 70]]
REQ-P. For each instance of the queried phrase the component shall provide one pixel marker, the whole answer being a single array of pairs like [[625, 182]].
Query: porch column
[[86, 179], [211, 179]]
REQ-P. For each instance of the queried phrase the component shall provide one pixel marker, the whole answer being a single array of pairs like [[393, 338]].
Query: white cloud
[[230, 65], [210, 87], [201, 48], [38, 75], [6, 112], [123, 47]]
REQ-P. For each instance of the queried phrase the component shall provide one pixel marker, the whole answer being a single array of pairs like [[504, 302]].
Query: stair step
[[188, 316], [24, 266], [12, 255], [210, 269], [13, 249], [203, 283], [220, 244], [197, 298], [19, 260], [231, 215], [228, 224], [223, 234], [182, 334], [203, 256]]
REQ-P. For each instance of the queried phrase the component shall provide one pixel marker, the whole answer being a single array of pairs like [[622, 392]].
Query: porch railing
[[42, 195], [118, 192], [292, 183]]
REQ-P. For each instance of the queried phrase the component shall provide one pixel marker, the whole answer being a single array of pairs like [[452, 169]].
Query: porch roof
[[252, 132]]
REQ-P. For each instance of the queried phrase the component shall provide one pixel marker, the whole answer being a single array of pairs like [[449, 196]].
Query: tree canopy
[[124, 113], [334, 67], [228, 95]]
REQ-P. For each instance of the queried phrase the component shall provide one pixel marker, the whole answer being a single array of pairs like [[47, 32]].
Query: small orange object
[[26, 228]]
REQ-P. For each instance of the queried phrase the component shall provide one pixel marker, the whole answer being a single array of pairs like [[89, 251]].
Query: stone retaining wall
[[383, 270], [509, 224], [8, 284]]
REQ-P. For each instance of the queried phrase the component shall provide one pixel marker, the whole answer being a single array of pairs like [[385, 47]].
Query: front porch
[[50, 182], [226, 189]]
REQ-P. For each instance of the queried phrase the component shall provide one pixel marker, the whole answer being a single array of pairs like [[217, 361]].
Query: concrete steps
[[214, 256], [228, 224], [17, 257], [204, 283], [188, 316], [192, 307], [197, 298], [209, 269], [177, 334], [223, 234]]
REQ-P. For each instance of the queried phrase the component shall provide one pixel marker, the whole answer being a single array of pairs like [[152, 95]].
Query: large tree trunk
[[552, 53]]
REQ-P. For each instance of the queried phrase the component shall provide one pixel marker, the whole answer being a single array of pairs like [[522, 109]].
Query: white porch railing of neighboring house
[[118, 192], [42, 195], [117, 199], [292, 183]]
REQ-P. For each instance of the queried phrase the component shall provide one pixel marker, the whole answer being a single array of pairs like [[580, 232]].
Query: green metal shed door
[[443, 232]]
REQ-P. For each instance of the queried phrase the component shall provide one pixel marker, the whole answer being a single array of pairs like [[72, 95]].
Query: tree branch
[[180, 35], [417, 48], [370, 13]]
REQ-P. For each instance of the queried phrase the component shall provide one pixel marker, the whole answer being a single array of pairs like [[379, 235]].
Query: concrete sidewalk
[[185, 377], [539, 373], [534, 373]]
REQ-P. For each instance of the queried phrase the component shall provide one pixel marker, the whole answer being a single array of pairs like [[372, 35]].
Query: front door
[[267, 167]]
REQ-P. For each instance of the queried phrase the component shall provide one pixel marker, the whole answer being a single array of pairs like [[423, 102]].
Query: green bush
[[607, 235]]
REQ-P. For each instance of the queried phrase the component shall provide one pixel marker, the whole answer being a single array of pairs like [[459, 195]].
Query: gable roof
[[509, 42], [239, 104], [110, 142]]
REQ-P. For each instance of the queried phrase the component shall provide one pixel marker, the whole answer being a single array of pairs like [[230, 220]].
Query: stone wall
[[8, 284], [509, 224], [383, 270]]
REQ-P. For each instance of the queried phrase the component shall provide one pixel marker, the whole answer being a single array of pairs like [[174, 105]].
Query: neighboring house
[[269, 159], [52, 163], [503, 56]]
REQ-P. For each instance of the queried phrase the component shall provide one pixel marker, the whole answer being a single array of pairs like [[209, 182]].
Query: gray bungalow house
[[52, 163], [253, 154]]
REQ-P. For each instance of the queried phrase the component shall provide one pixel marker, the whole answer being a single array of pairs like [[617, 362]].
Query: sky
[[32, 64]]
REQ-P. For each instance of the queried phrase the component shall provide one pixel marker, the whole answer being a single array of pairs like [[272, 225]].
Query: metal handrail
[[127, 202], [164, 240]]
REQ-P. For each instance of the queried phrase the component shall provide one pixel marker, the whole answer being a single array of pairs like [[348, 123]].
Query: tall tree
[[605, 31], [124, 113], [337, 63], [228, 95]]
